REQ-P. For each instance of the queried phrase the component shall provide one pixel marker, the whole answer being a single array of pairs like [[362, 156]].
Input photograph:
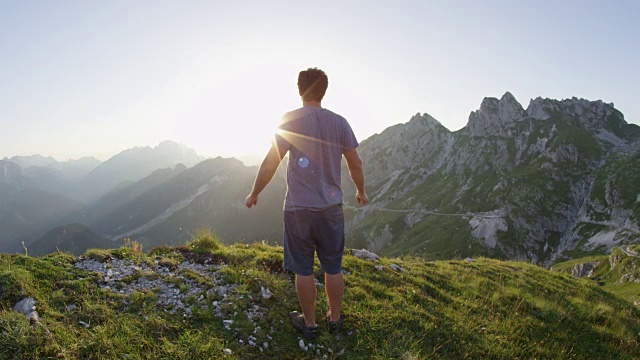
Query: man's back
[[316, 139]]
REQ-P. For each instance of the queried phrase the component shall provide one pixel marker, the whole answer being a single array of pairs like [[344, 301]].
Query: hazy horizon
[[92, 79], [248, 159]]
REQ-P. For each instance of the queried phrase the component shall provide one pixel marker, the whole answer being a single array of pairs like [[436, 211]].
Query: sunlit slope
[[557, 180], [618, 272], [210, 194], [443, 310]]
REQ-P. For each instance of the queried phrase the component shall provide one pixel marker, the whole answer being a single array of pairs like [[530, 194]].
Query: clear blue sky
[[92, 78]]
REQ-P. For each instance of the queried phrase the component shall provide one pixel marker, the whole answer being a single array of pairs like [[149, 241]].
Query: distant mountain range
[[48, 174], [38, 193], [557, 180], [132, 165]]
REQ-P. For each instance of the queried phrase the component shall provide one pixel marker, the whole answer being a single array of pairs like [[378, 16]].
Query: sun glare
[[223, 102]]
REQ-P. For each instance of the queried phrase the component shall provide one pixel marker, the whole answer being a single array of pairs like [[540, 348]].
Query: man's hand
[[251, 200], [363, 199]]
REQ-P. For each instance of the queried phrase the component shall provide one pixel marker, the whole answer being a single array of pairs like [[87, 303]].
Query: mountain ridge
[[476, 164], [132, 165]]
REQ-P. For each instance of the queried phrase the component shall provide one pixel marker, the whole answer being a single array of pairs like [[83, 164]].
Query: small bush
[[135, 246], [60, 258], [125, 253], [161, 250], [99, 255], [205, 241]]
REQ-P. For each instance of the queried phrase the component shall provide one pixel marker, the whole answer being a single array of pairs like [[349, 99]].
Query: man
[[316, 139]]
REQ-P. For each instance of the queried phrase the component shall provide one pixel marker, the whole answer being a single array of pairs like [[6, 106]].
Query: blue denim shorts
[[306, 232]]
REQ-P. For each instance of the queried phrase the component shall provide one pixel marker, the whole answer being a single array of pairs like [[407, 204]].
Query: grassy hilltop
[[618, 272], [415, 309]]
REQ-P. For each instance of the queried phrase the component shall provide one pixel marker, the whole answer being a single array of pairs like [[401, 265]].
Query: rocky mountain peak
[[495, 117], [425, 120], [174, 149], [168, 144], [590, 113], [11, 175], [88, 160], [34, 160]]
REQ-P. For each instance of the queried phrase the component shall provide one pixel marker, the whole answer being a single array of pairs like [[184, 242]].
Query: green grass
[[567, 265], [205, 241], [437, 237], [440, 310], [611, 271]]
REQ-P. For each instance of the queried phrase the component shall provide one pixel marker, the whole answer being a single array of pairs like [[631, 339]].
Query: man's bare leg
[[306, 290], [334, 284]]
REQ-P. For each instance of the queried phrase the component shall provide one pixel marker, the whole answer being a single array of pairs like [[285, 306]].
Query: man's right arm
[[266, 171], [356, 170]]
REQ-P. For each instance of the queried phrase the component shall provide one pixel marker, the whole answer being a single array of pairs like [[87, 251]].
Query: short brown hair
[[312, 84]]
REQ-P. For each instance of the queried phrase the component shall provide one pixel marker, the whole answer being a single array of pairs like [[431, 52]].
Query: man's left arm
[[267, 169]]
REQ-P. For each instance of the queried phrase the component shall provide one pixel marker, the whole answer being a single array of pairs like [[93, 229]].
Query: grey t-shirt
[[315, 138]]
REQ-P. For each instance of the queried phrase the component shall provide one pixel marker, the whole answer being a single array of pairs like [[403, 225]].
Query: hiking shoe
[[297, 320], [334, 326]]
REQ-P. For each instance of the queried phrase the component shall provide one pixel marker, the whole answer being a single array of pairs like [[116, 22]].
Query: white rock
[[265, 345], [396, 267], [227, 351], [379, 267], [33, 317], [365, 254], [221, 290], [84, 324], [25, 306], [266, 293], [302, 346]]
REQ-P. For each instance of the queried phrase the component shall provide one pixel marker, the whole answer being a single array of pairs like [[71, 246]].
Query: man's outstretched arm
[[356, 170], [265, 174]]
